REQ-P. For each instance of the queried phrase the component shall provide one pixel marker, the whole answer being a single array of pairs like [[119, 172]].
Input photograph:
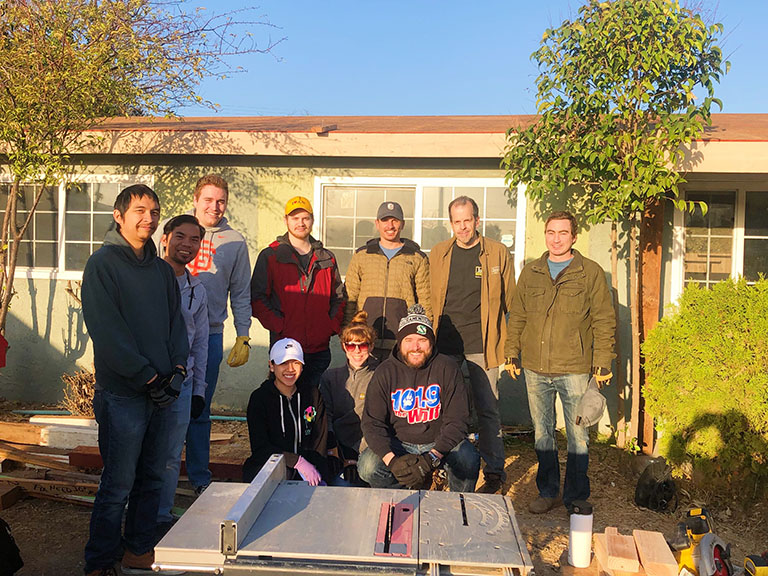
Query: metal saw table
[[279, 527]]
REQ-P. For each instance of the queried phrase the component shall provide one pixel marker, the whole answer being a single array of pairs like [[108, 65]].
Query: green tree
[[622, 89], [67, 64]]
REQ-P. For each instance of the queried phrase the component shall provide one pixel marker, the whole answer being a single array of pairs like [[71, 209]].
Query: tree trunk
[[635, 425], [651, 230], [10, 252], [621, 420]]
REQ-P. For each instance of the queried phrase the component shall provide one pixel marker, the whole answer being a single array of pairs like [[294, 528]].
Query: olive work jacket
[[565, 325], [495, 295]]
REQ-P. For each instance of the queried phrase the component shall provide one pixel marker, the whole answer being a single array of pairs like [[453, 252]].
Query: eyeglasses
[[362, 346]]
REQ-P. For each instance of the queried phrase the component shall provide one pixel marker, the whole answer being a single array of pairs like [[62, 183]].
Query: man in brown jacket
[[385, 277], [472, 285], [562, 326]]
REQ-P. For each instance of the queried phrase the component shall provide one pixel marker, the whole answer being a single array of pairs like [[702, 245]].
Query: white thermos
[[580, 537]]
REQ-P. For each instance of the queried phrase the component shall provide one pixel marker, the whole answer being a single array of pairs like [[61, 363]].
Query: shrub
[[706, 369], [78, 393]]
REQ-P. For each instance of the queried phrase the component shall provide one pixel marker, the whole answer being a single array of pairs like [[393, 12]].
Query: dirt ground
[[52, 534]]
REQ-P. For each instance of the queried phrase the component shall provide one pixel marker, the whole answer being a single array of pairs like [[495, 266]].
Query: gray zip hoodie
[[224, 268]]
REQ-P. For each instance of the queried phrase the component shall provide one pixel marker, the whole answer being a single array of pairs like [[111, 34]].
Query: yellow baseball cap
[[298, 203]]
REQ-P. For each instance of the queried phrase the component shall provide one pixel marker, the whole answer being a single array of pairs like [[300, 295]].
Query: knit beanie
[[415, 322]]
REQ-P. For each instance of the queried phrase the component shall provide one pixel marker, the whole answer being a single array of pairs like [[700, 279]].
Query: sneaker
[[542, 504], [200, 489], [493, 484], [142, 564], [103, 572]]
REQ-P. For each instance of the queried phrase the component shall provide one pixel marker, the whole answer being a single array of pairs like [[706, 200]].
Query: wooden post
[[651, 230]]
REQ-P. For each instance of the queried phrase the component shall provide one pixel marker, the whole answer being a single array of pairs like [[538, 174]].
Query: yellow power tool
[[698, 549]]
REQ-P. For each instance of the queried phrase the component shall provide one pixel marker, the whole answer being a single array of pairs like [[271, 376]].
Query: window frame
[[59, 272], [419, 183], [741, 190]]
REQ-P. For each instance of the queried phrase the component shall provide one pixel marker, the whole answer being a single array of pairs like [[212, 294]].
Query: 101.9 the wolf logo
[[418, 405]]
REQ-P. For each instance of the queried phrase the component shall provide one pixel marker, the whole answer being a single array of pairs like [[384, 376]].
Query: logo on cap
[[390, 206], [421, 330]]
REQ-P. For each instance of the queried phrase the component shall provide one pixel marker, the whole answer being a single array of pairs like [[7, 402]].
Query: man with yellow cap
[[296, 289]]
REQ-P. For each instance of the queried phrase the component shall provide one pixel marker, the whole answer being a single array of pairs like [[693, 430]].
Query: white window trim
[[678, 232], [418, 184], [58, 273]]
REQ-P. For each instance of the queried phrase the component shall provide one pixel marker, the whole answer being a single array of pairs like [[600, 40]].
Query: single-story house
[[346, 166]]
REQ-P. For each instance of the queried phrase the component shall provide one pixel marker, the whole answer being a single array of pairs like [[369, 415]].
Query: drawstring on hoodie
[[294, 418]]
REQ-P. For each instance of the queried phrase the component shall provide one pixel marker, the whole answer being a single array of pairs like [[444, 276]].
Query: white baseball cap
[[286, 349]]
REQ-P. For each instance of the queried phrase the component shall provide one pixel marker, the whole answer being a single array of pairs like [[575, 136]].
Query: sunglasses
[[362, 346]]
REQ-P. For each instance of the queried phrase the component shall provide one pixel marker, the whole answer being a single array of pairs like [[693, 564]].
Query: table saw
[[279, 527]]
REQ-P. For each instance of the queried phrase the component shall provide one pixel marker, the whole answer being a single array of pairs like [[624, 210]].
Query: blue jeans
[[315, 363], [199, 432], [178, 422], [541, 401], [485, 399], [462, 465], [132, 432]]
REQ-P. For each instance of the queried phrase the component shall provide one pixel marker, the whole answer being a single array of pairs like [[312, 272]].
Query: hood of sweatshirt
[[125, 250]]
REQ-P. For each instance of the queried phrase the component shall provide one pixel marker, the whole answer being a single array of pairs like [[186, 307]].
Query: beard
[[416, 360]]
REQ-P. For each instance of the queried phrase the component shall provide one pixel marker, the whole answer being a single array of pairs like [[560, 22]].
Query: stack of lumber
[[644, 552], [45, 458]]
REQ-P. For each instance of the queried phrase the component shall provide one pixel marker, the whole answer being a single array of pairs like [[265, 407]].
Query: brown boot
[[492, 485], [542, 504]]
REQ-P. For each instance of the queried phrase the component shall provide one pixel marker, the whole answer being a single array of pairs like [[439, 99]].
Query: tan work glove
[[602, 375], [512, 366], [239, 353]]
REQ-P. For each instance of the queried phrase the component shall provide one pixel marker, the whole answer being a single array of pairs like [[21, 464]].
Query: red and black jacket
[[290, 303]]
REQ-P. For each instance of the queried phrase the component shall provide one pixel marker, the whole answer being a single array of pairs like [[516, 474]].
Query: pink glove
[[308, 472]]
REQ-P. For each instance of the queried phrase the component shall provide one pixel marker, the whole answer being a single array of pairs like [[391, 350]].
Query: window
[[730, 240], [348, 211], [68, 225]]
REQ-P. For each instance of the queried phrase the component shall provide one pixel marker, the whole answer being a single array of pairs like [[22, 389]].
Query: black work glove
[[512, 366], [197, 407], [602, 375], [164, 391], [411, 469], [350, 473], [334, 466]]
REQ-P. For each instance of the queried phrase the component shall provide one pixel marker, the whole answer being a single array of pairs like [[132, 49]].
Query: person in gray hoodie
[[131, 307], [224, 267], [181, 242]]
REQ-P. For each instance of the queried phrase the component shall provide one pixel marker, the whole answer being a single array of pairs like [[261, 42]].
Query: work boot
[[542, 504], [492, 484], [142, 564], [109, 571]]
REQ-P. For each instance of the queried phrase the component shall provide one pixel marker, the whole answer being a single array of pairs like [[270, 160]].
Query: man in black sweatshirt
[[416, 415], [131, 306]]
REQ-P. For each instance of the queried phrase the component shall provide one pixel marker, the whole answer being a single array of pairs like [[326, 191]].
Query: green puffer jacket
[[562, 326], [387, 288]]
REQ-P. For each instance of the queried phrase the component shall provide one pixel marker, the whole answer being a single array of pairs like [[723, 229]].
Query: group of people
[[408, 322]]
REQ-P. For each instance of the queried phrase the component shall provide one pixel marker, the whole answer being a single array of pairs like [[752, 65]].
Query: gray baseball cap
[[591, 406], [390, 210]]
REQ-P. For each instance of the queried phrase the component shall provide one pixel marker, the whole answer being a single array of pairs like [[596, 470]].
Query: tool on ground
[[698, 549], [755, 565], [277, 526]]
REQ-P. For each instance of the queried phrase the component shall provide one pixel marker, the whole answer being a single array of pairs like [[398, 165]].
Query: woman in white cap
[[286, 416]]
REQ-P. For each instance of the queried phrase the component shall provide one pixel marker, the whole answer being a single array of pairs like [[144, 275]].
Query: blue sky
[[413, 57]]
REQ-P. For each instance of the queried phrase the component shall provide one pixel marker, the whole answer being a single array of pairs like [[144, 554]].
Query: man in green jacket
[[561, 325], [472, 285]]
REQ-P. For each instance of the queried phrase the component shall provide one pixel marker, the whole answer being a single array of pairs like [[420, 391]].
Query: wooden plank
[[20, 433], [76, 421], [9, 495], [622, 554], [601, 554], [40, 449], [69, 437], [654, 552], [12, 453], [50, 487], [221, 437]]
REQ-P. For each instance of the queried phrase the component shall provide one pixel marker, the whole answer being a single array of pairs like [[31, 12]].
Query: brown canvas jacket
[[562, 326], [495, 297]]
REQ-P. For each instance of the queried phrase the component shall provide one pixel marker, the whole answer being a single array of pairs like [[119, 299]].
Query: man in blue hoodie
[[131, 307]]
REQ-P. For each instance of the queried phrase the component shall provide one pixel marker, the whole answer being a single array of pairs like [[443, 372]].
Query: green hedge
[[706, 369]]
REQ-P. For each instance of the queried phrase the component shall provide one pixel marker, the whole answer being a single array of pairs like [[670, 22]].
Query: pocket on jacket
[[535, 299], [570, 300]]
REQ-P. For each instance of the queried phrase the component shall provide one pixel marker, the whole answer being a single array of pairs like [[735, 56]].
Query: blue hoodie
[[131, 308]]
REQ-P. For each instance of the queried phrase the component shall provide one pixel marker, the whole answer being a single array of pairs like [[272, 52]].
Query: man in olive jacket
[[472, 285], [561, 325], [385, 277]]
